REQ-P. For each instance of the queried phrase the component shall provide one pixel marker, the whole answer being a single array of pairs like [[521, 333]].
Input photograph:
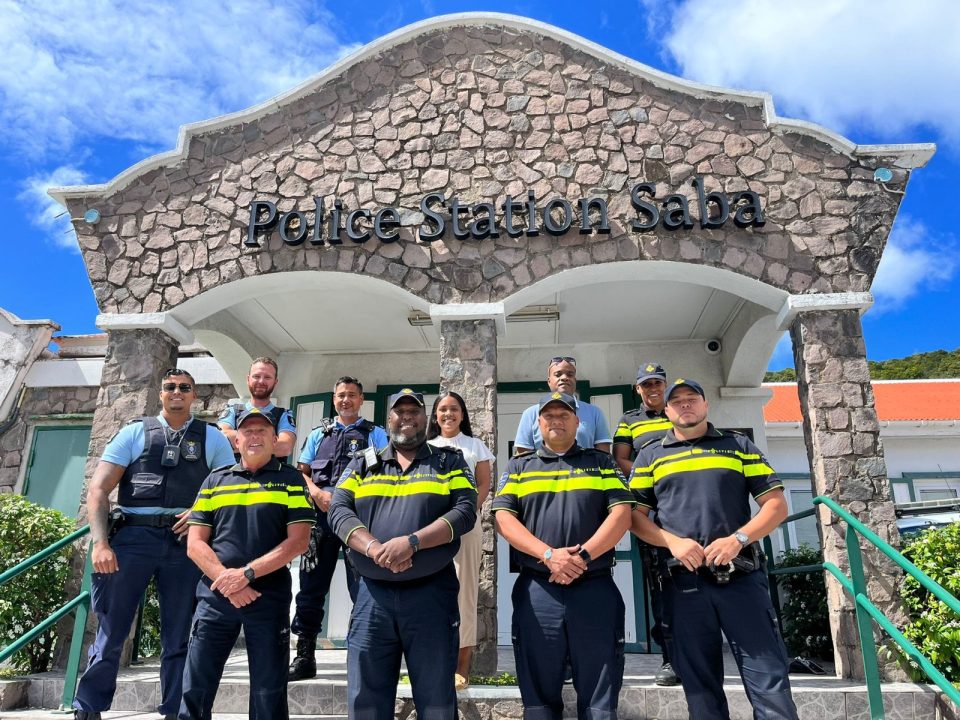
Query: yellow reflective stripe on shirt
[[755, 469], [421, 487], [641, 481], [698, 463], [569, 484], [264, 497], [229, 488], [647, 426]]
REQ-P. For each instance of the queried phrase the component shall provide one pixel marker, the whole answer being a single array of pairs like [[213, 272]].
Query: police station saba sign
[[513, 217]]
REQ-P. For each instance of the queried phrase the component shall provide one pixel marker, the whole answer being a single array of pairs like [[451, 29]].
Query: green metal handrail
[[865, 610], [80, 605]]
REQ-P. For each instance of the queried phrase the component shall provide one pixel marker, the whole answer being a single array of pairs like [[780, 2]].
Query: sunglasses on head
[[182, 387], [561, 359]]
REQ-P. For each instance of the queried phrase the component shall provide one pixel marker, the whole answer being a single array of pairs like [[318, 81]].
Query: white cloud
[[137, 69], [880, 64], [913, 260], [45, 212]]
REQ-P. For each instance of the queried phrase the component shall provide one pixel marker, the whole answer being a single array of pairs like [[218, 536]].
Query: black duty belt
[[155, 521], [750, 559]]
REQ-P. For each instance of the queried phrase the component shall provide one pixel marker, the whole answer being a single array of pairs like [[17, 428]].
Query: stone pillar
[[129, 388], [468, 365], [842, 435]]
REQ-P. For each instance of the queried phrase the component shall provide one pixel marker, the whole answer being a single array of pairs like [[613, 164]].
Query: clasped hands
[[396, 554], [235, 587], [565, 565], [721, 551]]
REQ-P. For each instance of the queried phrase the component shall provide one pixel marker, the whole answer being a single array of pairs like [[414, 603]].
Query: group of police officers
[[216, 518]]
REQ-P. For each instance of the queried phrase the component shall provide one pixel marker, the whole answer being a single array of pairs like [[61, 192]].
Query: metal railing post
[[72, 671], [868, 651]]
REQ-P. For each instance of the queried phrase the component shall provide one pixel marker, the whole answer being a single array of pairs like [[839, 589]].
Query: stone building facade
[[637, 179]]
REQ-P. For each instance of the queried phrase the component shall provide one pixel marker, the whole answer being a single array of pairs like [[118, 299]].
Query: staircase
[[817, 697]]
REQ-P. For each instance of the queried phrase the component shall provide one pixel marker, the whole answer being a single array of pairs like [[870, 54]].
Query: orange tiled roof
[[897, 400]]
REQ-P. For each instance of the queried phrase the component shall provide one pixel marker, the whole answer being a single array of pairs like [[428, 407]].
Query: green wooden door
[[54, 476]]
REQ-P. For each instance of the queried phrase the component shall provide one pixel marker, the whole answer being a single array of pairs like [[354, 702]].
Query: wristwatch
[[742, 538], [547, 554], [585, 555], [414, 541], [249, 573]]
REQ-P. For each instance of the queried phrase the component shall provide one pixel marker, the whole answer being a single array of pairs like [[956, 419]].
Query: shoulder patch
[[504, 477]]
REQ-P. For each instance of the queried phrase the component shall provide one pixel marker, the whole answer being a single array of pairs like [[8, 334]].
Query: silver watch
[[742, 538]]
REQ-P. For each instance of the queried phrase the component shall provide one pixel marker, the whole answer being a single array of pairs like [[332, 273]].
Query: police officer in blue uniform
[[563, 509], [249, 521], [699, 481], [261, 383], [326, 454], [402, 512], [159, 464], [635, 429]]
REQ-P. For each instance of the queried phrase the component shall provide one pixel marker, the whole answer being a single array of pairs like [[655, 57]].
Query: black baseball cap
[[564, 399], [253, 412], [405, 394], [651, 370], [683, 382]]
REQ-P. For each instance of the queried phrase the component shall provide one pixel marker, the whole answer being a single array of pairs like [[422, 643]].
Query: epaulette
[[135, 420], [651, 441], [522, 452], [735, 433]]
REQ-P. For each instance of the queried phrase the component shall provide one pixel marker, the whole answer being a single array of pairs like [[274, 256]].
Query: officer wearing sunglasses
[[158, 463], [593, 431]]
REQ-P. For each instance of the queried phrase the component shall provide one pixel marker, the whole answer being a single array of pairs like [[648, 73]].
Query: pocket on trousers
[[146, 486]]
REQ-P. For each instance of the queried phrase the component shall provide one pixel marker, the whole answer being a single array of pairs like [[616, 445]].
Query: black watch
[[249, 573], [414, 541], [585, 555]]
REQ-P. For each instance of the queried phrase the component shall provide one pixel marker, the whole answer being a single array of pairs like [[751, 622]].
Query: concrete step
[[817, 698]]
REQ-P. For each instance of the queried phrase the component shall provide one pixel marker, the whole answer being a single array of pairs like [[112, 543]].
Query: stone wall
[[484, 112]]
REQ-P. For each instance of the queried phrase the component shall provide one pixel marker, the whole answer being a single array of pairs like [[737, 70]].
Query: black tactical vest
[[337, 448], [146, 483]]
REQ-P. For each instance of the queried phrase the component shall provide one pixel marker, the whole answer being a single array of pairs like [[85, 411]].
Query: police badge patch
[[190, 450]]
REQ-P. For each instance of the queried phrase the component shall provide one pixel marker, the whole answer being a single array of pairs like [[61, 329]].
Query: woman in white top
[[450, 426]]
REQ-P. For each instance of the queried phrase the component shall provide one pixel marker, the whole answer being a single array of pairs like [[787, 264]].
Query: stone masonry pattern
[[483, 112], [846, 458]]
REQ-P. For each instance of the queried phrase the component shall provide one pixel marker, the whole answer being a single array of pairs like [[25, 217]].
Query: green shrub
[[933, 627], [806, 621], [27, 600]]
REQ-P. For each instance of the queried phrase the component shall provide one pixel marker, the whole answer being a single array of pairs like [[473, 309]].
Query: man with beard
[[401, 513], [249, 521], [157, 465], [592, 432], [328, 450], [261, 382], [636, 428], [699, 480]]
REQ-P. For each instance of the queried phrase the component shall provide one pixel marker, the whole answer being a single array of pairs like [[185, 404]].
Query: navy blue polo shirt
[[562, 499], [701, 488], [391, 502], [638, 427], [249, 513]]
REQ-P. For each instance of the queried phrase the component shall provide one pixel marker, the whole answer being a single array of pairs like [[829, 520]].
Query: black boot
[[304, 665]]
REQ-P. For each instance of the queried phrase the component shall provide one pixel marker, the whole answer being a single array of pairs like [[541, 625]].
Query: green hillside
[[923, 366]]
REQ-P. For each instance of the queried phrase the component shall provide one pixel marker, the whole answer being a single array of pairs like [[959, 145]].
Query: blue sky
[[88, 89]]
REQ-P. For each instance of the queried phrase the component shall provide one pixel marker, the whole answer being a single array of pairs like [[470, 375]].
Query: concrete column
[[129, 388], [468, 365], [842, 435]]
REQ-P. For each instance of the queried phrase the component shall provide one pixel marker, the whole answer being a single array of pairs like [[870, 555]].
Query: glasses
[[562, 359], [182, 387]]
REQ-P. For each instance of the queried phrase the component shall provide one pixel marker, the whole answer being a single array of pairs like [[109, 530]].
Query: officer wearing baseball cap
[[401, 513], [635, 429], [699, 481], [563, 508]]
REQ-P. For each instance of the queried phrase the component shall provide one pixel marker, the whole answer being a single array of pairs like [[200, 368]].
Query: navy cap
[[683, 382], [252, 413], [651, 370], [564, 399], [405, 394]]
